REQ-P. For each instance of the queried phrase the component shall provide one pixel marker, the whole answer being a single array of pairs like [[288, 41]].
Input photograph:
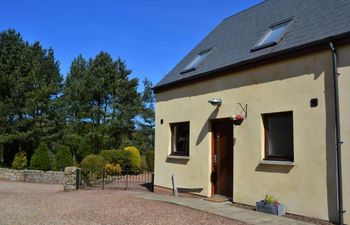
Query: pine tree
[[63, 157], [30, 85], [144, 135], [102, 104], [41, 159]]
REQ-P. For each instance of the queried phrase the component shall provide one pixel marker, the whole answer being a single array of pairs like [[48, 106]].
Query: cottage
[[274, 69]]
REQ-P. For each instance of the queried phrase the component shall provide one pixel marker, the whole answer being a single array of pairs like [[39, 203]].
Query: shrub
[[93, 163], [20, 161], [112, 169], [111, 156], [63, 157], [270, 200], [54, 166], [132, 159], [41, 159], [150, 160]]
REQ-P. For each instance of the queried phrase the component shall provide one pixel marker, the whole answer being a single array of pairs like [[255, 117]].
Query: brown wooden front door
[[222, 157]]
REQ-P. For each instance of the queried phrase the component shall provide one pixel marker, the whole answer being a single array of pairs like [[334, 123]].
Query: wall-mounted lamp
[[215, 101]]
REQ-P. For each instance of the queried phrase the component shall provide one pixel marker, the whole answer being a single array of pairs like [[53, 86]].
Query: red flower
[[239, 117]]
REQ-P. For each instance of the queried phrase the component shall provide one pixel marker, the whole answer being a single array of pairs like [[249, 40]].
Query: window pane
[[280, 135], [180, 138], [274, 34], [196, 61]]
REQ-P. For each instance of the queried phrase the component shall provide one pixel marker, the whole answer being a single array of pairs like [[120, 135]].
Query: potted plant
[[238, 119], [270, 205]]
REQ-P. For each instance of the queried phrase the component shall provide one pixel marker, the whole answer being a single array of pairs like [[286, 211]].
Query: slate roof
[[314, 22]]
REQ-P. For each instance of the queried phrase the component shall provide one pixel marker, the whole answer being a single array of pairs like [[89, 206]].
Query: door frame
[[212, 121]]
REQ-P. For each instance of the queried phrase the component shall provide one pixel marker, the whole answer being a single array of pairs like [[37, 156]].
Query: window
[[272, 36], [279, 136], [196, 61], [180, 138]]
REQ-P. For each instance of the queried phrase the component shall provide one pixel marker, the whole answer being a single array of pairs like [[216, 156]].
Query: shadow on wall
[[273, 168], [260, 73], [205, 128], [177, 161]]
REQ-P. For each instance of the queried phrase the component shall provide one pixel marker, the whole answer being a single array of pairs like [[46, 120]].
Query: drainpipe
[[337, 134]]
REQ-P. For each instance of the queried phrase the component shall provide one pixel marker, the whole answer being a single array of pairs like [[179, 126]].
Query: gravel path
[[26, 203]]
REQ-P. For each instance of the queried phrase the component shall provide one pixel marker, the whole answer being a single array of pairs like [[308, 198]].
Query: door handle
[[215, 161]]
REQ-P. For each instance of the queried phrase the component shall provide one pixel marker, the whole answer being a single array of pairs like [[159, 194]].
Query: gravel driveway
[[26, 203]]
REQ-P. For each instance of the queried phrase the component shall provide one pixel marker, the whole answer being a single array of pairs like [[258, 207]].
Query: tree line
[[96, 107]]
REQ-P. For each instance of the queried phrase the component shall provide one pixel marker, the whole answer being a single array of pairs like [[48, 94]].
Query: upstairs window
[[196, 61], [272, 36], [180, 138], [279, 136]]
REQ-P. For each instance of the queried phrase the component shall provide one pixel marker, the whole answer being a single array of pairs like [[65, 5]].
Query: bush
[[111, 156], [150, 160], [41, 159], [112, 169], [93, 163], [20, 161], [132, 159], [63, 157]]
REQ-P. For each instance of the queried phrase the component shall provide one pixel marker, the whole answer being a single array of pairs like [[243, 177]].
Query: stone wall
[[70, 178], [33, 176]]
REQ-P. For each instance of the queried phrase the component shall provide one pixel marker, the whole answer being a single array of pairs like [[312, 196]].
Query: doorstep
[[225, 209]]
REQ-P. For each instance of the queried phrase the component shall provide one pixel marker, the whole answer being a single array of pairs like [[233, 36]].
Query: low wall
[[33, 176], [70, 178]]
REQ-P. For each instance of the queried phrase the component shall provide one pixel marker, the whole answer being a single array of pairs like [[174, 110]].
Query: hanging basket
[[238, 119], [237, 122]]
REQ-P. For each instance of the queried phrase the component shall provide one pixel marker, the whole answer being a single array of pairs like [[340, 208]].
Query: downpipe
[[337, 134]]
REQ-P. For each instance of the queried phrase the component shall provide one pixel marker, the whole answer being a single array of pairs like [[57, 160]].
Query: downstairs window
[[279, 136]]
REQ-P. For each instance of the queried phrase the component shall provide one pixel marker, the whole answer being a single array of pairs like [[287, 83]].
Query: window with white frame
[[278, 129], [180, 138]]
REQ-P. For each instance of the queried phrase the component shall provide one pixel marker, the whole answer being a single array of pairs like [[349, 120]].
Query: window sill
[[178, 157], [277, 163]]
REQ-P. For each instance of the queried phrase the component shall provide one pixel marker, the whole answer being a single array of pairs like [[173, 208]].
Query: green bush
[[93, 163], [132, 159], [41, 159], [20, 161], [150, 160], [111, 156], [54, 166], [63, 157]]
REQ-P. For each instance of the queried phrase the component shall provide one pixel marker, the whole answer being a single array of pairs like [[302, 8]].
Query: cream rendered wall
[[307, 188]]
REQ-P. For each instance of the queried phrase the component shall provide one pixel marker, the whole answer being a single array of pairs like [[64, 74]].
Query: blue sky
[[152, 36]]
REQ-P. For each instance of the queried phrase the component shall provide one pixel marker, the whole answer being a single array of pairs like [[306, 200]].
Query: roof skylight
[[196, 61], [272, 36]]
